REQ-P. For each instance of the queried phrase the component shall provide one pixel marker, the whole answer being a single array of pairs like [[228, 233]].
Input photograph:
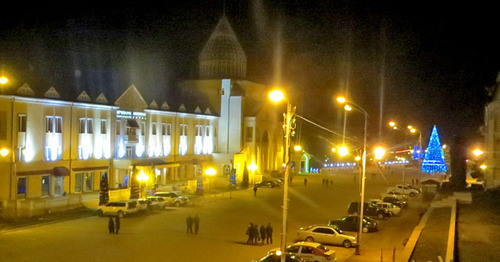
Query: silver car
[[326, 235]]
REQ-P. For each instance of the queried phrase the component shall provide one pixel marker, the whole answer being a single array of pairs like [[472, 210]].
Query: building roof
[[222, 56]]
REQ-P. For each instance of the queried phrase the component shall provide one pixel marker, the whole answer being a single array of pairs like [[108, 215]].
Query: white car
[[157, 202], [326, 235], [402, 189], [120, 208], [395, 211], [309, 251], [174, 198]]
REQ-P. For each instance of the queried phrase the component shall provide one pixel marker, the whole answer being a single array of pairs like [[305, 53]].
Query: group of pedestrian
[[327, 181], [114, 224], [193, 221], [258, 234]]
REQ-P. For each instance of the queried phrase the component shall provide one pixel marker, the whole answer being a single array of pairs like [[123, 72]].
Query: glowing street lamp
[[277, 96], [142, 178], [297, 148], [4, 151], [343, 151], [477, 152], [3, 80], [379, 153]]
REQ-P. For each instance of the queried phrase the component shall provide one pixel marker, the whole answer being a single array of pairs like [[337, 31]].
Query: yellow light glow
[[3, 80], [341, 99], [334, 149], [379, 153], [413, 130], [357, 158], [252, 167], [483, 166], [278, 252], [297, 148], [276, 96], [410, 127], [347, 108], [210, 172], [4, 151], [395, 127], [142, 177], [477, 152], [392, 123], [444, 146], [343, 151]]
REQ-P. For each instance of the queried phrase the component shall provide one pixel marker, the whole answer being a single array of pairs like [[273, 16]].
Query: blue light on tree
[[434, 157]]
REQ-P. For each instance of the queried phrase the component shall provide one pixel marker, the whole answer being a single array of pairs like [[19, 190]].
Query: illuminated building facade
[[60, 151]]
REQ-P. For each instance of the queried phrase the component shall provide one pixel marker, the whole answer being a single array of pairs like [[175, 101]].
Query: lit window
[[21, 123], [104, 126]]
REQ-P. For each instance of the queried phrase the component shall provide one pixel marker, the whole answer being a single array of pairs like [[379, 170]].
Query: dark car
[[267, 183], [351, 223], [369, 210], [395, 201], [277, 258]]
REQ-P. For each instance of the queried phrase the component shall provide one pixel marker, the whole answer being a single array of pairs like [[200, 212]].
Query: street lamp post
[[277, 96], [363, 172], [412, 130]]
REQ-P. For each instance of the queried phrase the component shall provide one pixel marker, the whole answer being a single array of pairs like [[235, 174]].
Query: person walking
[[117, 224], [196, 222], [254, 190], [323, 181], [263, 233], [269, 234], [111, 225], [305, 181], [327, 181], [250, 234], [189, 223], [256, 235]]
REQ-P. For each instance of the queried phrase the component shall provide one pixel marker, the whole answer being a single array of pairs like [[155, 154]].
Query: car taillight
[[328, 256]]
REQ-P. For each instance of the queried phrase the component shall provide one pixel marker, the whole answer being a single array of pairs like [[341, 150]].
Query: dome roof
[[222, 56]]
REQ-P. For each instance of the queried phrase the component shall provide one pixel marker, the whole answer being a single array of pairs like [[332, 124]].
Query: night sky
[[433, 60]]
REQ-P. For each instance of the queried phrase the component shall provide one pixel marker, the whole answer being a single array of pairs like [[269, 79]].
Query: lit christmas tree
[[434, 157]]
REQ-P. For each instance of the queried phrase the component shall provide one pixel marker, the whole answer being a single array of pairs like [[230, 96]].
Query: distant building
[[56, 153], [492, 138]]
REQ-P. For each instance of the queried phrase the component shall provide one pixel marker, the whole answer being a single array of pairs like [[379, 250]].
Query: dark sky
[[434, 60]]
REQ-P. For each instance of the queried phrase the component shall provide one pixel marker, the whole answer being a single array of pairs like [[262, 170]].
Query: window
[[21, 187], [169, 129], [293, 249], [84, 182], [307, 250], [53, 124], [104, 126], [78, 182], [21, 123], [143, 128], [45, 185], [199, 130], [153, 128], [86, 126], [118, 127], [249, 134], [89, 181], [163, 129], [207, 131], [183, 130], [58, 185]]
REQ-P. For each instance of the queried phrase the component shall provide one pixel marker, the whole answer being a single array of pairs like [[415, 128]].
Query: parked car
[[395, 194], [395, 201], [143, 204], [368, 210], [277, 258], [309, 251], [402, 189], [326, 235], [414, 187], [267, 183], [120, 208], [351, 223], [393, 209], [157, 202], [177, 200]]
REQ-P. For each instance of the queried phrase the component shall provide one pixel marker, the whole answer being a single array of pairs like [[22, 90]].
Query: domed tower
[[222, 56]]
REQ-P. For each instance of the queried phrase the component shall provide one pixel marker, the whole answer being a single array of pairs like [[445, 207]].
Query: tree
[[434, 157]]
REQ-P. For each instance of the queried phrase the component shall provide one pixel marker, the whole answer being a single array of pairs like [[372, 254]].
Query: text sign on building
[[130, 114]]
